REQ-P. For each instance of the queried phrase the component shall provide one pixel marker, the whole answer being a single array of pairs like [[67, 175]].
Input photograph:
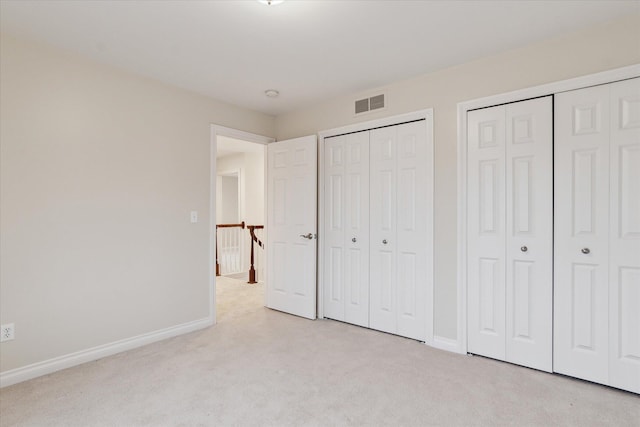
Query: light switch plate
[[194, 217]]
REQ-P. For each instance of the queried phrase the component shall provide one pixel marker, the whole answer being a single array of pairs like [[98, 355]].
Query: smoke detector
[[272, 93]]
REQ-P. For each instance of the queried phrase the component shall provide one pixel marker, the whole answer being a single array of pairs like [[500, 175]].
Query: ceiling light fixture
[[272, 93], [271, 2]]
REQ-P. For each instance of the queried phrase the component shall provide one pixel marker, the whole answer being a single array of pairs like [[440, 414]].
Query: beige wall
[[251, 167], [99, 171], [595, 49]]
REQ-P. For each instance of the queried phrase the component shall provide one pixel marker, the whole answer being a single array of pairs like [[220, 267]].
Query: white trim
[[265, 230], [244, 136], [427, 115], [371, 124], [461, 285], [320, 228], [518, 95], [28, 372], [447, 344], [603, 77]]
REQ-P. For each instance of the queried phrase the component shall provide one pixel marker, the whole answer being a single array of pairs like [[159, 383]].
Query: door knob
[[585, 251], [524, 249], [354, 240], [307, 236], [384, 242]]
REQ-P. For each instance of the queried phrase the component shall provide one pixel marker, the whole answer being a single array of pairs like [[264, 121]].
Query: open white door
[[291, 226]]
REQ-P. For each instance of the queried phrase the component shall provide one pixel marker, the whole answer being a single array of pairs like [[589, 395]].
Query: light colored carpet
[[261, 367]]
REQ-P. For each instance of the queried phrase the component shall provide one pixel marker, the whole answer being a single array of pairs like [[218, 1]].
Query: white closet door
[[581, 223], [486, 232], [411, 230], [334, 229], [399, 221], [346, 274], [383, 246], [356, 242], [509, 228], [529, 230], [624, 240]]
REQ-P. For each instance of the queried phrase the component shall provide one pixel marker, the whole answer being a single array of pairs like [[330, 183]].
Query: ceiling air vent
[[370, 104]]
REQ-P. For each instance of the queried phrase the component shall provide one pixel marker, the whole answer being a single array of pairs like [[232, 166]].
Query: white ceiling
[[308, 50]]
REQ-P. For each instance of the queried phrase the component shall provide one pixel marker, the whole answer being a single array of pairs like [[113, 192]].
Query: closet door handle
[[585, 251], [524, 249], [353, 239], [384, 242]]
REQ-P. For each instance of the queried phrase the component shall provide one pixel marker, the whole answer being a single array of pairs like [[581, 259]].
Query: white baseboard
[[447, 344], [45, 367]]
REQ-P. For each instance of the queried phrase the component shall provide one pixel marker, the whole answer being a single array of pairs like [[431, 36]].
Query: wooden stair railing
[[241, 225], [254, 238]]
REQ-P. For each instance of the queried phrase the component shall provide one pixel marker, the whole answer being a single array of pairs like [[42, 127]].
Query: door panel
[[584, 316], [411, 231], [529, 233], [346, 277], [291, 211], [356, 237], [334, 228], [624, 240], [491, 297], [383, 243], [486, 232], [581, 223], [522, 311], [399, 230], [510, 232]]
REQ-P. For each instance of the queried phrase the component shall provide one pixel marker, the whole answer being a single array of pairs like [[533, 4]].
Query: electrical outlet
[[8, 332]]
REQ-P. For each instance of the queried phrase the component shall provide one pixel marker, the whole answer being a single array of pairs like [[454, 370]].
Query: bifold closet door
[[486, 228], [346, 273], [624, 237], [509, 229], [581, 233], [398, 226], [597, 241]]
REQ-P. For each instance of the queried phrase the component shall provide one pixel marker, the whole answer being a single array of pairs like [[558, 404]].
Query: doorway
[[230, 259], [237, 218]]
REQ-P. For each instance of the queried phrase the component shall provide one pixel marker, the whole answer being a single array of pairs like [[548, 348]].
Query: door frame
[[426, 114], [459, 345], [213, 144]]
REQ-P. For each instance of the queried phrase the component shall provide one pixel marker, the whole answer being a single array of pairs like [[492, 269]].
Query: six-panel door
[[509, 226], [291, 226], [398, 226], [581, 218], [597, 245], [486, 227], [346, 213], [624, 236], [529, 232]]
